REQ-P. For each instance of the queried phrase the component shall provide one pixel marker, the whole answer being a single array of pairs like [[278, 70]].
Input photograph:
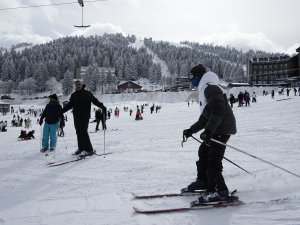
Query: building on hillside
[[275, 71], [102, 70], [4, 107], [129, 87], [182, 83], [238, 85]]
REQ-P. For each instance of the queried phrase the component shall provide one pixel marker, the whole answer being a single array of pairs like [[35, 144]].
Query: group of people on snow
[[80, 103]]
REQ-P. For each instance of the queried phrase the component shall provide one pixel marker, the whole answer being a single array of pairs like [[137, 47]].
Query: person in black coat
[[218, 122], [231, 100], [80, 102], [100, 116]]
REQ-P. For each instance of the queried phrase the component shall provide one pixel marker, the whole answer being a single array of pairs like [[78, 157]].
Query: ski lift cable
[[53, 4]]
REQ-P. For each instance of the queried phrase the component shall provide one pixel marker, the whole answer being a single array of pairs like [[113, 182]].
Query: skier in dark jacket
[[100, 116], [231, 100], [218, 122], [80, 102], [53, 119]]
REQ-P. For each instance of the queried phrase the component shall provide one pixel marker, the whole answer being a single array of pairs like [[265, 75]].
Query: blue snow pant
[[49, 131]]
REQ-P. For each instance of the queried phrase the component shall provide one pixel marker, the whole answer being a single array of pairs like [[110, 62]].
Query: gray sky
[[270, 25]]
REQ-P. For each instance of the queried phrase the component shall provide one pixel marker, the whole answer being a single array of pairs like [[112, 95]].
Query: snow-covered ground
[[148, 158]]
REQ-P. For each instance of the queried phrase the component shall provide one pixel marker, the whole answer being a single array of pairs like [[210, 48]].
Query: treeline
[[227, 62], [29, 70]]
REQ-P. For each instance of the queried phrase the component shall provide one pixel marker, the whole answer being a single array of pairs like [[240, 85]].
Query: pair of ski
[[221, 204], [233, 202], [74, 159]]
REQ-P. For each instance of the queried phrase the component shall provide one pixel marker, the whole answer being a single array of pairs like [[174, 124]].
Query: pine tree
[[67, 85], [41, 76]]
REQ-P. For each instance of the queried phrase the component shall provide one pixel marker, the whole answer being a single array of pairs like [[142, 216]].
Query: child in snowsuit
[[53, 119]]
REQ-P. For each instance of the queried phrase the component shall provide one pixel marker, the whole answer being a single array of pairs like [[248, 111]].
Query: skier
[[295, 91], [253, 97], [138, 115], [80, 101], [231, 100], [152, 108], [247, 98], [218, 122], [272, 93], [287, 92], [98, 116], [241, 99], [53, 119]]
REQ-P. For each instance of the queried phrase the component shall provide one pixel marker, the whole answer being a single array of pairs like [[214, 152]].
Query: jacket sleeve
[[68, 106], [97, 103], [44, 113], [61, 117], [217, 105], [199, 125]]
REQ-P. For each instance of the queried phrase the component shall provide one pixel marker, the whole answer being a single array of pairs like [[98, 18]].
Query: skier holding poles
[[218, 122], [80, 102]]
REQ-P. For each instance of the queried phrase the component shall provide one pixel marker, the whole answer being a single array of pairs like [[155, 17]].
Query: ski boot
[[197, 185]]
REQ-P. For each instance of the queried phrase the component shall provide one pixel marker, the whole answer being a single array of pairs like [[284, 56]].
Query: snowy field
[[148, 158]]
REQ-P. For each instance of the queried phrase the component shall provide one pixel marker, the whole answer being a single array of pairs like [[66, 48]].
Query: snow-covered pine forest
[[38, 68]]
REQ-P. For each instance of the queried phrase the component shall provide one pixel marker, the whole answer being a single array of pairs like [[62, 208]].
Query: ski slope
[[148, 158]]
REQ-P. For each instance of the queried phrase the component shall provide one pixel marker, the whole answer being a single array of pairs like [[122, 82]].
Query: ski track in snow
[[148, 158]]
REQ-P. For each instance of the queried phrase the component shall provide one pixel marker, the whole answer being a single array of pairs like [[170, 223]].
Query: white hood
[[208, 78]]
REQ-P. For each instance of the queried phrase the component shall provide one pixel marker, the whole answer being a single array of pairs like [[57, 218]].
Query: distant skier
[[130, 112], [138, 115], [272, 93], [152, 108], [247, 98], [253, 97], [241, 99], [287, 92], [218, 122], [295, 91], [231, 100]]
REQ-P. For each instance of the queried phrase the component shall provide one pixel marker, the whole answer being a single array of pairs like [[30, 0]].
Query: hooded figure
[[218, 122]]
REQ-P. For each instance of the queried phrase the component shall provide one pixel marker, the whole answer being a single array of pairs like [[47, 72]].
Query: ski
[[182, 209], [63, 162], [209, 205], [139, 196], [283, 99]]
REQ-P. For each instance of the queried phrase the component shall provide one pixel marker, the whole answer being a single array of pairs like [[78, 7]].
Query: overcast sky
[[270, 25]]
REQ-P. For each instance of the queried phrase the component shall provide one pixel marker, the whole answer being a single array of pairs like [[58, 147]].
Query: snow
[[139, 43], [148, 158]]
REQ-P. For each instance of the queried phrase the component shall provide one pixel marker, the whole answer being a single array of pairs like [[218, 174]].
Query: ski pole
[[104, 126], [227, 159], [41, 137], [253, 156]]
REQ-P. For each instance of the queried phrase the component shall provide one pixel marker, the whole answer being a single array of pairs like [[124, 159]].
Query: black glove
[[206, 137], [187, 133], [41, 122]]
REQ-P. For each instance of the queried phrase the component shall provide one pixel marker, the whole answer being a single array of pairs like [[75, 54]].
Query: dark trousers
[[97, 125], [83, 139], [209, 165]]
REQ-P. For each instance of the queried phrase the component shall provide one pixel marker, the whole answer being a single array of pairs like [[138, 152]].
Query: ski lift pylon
[[80, 2]]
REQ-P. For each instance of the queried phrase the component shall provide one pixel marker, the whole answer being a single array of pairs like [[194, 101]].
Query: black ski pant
[[103, 122], [209, 165], [83, 139], [97, 125]]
